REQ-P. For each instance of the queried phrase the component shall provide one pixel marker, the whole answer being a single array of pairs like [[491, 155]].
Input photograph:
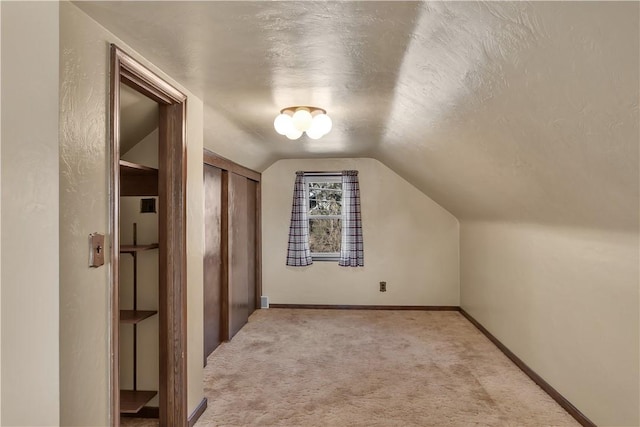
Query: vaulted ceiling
[[139, 117], [507, 111]]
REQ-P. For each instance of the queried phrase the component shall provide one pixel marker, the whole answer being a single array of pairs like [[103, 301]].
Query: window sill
[[322, 257]]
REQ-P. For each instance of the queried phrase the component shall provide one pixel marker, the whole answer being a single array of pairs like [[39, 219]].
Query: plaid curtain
[[352, 248], [299, 254]]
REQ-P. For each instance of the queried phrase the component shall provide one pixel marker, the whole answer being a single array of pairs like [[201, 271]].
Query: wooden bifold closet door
[[242, 250], [252, 247], [238, 253], [232, 255], [212, 259]]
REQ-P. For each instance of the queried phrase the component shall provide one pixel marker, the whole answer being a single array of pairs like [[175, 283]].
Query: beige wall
[[29, 200], [84, 293], [195, 254], [410, 242], [564, 300]]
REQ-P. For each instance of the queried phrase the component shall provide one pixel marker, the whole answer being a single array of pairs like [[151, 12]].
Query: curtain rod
[[322, 172]]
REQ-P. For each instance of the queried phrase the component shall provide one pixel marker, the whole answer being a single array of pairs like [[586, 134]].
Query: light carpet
[[369, 368]]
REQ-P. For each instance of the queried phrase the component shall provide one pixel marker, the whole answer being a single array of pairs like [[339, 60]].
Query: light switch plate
[[96, 250]]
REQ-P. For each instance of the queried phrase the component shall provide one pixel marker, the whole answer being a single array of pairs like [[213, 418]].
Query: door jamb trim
[[172, 230]]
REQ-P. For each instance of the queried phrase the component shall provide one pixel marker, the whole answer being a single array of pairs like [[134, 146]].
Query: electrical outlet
[[383, 286]]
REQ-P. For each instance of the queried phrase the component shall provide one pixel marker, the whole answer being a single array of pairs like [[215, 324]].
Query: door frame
[[172, 235]]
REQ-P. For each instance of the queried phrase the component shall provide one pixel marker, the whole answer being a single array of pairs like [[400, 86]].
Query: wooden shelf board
[[135, 316], [129, 168], [129, 249], [137, 180], [131, 401]]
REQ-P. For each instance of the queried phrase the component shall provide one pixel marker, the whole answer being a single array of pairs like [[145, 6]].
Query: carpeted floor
[[369, 368]]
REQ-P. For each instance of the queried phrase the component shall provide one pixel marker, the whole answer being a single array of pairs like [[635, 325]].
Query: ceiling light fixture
[[293, 121]]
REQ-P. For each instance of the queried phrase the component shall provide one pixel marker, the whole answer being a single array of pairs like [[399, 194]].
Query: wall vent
[[264, 302]]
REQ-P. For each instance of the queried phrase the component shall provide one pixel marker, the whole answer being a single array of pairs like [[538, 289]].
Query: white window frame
[[324, 177]]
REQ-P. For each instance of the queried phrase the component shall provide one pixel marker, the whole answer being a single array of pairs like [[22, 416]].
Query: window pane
[[324, 235], [324, 207], [325, 198]]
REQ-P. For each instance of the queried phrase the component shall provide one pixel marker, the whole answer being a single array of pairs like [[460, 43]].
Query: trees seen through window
[[325, 216]]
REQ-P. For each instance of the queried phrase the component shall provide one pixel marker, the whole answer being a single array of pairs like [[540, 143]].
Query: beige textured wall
[[564, 300], [195, 253], [410, 242], [84, 293], [29, 200]]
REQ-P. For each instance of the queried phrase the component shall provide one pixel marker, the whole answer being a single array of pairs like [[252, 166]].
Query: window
[[326, 223], [325, 215]]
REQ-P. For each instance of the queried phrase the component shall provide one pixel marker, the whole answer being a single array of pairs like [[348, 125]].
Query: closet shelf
[[131, 401], [129, 249], [138, 180], [130, 168], [135, 316]]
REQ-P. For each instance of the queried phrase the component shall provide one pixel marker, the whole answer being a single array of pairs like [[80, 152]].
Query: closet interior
[[139, 364]]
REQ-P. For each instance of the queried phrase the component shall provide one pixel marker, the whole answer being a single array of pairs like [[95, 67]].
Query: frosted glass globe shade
[[315, 127], [302, 120], [283, 124], [294, 134], [322, 123], [314, 133]]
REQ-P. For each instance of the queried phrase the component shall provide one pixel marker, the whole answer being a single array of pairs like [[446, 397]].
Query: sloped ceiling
[[138, 117], [500, 111]]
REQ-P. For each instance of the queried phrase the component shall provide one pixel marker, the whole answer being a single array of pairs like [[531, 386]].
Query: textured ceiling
[[499, 111]]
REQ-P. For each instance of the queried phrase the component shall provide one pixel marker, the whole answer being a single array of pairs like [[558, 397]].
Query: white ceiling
[[499, 111]]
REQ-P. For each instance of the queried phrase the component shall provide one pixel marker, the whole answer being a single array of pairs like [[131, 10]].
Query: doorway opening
[[153, 172]]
